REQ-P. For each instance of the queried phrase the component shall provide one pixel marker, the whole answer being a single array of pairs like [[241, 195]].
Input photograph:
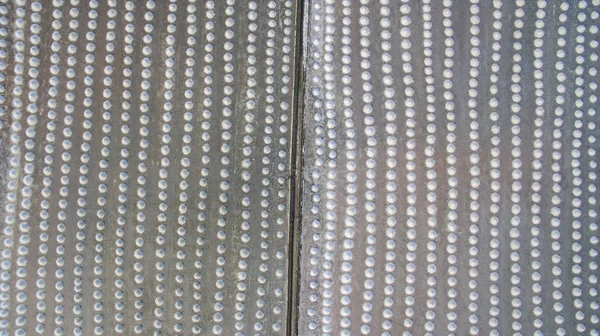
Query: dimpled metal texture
[[450, 168], [146, 166], [299, 167]]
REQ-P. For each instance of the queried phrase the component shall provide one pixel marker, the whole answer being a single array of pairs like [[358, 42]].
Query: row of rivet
[[494, 220], [537, 165], [474, 170]]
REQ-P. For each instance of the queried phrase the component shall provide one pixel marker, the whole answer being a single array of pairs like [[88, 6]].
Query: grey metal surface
[[147, 173], [450, 168], [437, 178]]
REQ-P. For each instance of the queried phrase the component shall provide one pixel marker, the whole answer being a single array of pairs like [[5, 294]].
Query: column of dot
[[494, 220], [4, 55], [85, 146], [350, 186], [371, 165], [224, 185], [537, 165], [316, 175], [7, 231], [516, 165], [246, 176], [270, 80], [4, 33], [65, 169], [266, 171], [474, 171], [451, 159], [267, 149], [582, 267], [49, 149], [410, 124], [32, 120], [283, 153], [179, 253], [350, 155], [103, 163], [185, 162], [576, 166], [32, 109], [391, 141], [19, 65], [125, 116], [186, 151], [81, 183], [331, 169], [163, 173], [430, 173], [591, 187], [557, 158], [205, 158], [43, 226], [29, 156], [123, 175], [84, 158], [142, 166]]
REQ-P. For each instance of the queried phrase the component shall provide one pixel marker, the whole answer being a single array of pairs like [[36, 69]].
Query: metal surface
[[279, 167], [450, 166], [148, 173]]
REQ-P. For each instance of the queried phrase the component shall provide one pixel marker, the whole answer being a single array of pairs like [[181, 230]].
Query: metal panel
[[437, 178], [148, 166], [450, 168]]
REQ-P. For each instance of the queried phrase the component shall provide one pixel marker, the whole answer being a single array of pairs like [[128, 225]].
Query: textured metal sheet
[[147, 167], [443, 179], [450, 168]]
